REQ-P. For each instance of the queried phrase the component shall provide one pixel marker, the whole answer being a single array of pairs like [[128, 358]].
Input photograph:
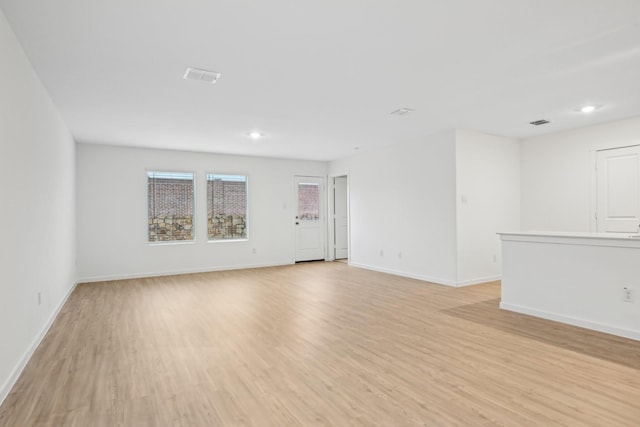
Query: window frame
[[194, 227], [246, 207]]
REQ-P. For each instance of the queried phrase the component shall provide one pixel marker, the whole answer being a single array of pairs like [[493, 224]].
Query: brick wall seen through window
[[170, 201], [226, 207], [308, 201]]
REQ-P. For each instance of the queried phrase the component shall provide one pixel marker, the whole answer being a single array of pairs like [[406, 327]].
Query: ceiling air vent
[[201, 75], [402, 112], [539, 122]]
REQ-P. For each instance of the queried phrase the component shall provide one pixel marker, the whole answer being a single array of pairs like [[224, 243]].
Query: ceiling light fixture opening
[[589, 108], [255, 134]]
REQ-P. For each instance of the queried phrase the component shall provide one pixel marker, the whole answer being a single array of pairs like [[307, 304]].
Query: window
[[226, 207], [308, 201], [170, 206]]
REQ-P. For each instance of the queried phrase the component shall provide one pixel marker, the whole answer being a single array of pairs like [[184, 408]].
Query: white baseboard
[[583, 323], [436, 280], [479, 280], [431, 279], [176, 272], [15, 373]]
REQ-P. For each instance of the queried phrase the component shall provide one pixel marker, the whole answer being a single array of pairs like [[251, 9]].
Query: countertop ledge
[[571, 234]]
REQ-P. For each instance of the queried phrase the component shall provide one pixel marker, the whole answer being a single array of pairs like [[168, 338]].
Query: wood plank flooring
[[317, 344]]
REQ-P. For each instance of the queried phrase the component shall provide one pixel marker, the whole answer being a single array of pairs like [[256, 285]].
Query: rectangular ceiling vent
[[401, 112], [539, 122], [201, 75]]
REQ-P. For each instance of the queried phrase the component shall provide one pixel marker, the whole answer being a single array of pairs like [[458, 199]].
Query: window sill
[[172, 242], [228, 240]]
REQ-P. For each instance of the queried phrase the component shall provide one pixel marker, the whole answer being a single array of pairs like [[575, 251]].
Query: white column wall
[[402, 208], [488, 201]]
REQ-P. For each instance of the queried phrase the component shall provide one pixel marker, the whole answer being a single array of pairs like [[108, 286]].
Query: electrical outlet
[[495, 258], [628, 294], [381, 252], [399, 255], [253, 251], [39, 298]]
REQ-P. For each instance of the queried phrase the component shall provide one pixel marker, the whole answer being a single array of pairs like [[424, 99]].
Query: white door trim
[[331, 242]]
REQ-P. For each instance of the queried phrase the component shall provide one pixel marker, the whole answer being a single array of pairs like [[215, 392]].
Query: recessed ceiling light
[[201, 75], [255, 135], [589, 108]]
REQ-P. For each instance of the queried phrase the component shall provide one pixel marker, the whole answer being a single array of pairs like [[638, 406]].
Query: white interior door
[[310, 222], [340, 219], [618, 190]]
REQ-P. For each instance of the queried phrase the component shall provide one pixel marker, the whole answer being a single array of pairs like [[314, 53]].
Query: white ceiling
[[320, 78]]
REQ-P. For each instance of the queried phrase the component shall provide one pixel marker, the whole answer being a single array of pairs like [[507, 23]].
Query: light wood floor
[[317, 344]]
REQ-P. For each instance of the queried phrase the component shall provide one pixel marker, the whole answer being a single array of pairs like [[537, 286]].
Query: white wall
[[37, 212], [112, 212], [558, 174], [577, 280], [488, 201], [403, 203]]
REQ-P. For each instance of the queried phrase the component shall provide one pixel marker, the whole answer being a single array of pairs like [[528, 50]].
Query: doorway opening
[[340, 220]]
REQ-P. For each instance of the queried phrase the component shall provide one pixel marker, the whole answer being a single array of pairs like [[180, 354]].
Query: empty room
[[280, 213]]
